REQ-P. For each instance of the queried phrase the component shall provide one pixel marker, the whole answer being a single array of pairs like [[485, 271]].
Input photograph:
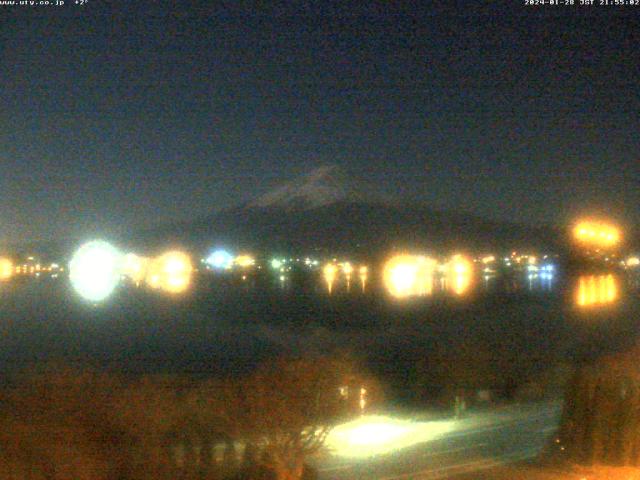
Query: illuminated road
[[478, 442]]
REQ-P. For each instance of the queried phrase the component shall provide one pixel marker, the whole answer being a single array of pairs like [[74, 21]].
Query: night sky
[[118, 116]]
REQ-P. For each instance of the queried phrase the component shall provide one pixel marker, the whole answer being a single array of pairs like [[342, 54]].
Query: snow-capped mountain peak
[[323, 186]]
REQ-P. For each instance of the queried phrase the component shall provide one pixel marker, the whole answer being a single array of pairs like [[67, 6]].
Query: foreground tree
[[61, 423], [289, 407], [601, 418]]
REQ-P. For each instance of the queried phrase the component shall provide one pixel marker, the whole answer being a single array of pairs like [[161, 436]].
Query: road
[[479, 441]]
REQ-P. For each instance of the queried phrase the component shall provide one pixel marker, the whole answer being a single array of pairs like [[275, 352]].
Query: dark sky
[[125, 114]]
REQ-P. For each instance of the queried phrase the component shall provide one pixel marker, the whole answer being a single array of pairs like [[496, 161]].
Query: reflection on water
[[460, 274], [595, 290], [364, 273], [407, 276], [329, 273]]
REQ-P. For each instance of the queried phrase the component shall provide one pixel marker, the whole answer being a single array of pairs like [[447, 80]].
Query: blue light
[[220, 259]]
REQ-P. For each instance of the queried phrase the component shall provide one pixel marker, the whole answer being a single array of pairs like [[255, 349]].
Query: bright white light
[[379, 435], [220, 259], [95, 270]]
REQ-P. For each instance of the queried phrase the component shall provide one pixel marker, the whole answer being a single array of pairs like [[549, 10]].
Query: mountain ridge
[[323, 186]]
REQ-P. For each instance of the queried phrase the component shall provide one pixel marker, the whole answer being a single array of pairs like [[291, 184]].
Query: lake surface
[[516, 325]]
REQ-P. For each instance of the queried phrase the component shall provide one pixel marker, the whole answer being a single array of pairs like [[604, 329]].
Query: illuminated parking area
[[373, 435]]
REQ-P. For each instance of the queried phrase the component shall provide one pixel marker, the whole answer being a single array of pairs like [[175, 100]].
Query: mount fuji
[[326, 210], [324, 186]]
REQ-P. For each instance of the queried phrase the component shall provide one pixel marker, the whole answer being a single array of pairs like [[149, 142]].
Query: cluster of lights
[[30, 267], [596, 234], [520, 259], [414, 275], [545, 272], [224, 260], [487, 259], [97, 267], [288, 263], [409, 275], [333, 269]]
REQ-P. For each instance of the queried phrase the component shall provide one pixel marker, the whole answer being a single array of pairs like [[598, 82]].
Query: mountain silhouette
[[328, 211]]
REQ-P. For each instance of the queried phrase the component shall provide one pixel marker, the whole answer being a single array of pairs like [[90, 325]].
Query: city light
[[633, 262], [245, 261], [372, 435], [170, 272], [363, 272], [596, 234], [409, 275], [329, 271], [596, 290], [276, 263], [347, 269], [6, 269], [94, 270], [134, 267], [460, 274], [220, 260]]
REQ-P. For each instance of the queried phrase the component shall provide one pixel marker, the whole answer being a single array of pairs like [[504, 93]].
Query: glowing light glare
[[329, 271], [460, 274], [176, 269], [134, 267], [347, 268], [94, 270], [6, 269], [595, 290], [245, 261], [409, 275], [170, 272], [220, 260], [363, 272], [633, 262], [276, 263], [372, 435], [488, 259], [597, 234]]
